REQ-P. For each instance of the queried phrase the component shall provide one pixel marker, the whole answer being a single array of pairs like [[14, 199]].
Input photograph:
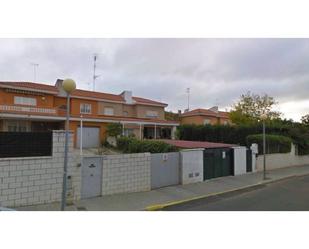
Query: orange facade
[[35, 107], [205, 116]]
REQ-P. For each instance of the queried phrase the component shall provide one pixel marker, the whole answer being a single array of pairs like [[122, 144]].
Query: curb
[[158, 207]]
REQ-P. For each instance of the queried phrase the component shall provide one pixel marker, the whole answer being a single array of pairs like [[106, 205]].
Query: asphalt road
[[286, 195]]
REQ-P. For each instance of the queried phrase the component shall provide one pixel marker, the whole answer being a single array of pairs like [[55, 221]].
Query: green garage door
[[218, 162]]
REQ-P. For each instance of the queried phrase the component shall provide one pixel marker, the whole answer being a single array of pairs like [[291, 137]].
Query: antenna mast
[[188, 92], [95, 56], [35, 65]]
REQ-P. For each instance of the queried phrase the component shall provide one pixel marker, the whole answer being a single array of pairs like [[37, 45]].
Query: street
[[286, 195]]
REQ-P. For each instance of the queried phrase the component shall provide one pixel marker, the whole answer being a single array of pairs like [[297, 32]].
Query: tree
[[305, 119], [114, 129], [251, 106]]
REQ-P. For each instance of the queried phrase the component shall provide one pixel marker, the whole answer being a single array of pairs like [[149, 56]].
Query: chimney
[[59, 86], [127, 95], [214, 109]]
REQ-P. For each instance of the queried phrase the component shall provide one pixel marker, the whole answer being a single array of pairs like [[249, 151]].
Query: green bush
[[237, 134], [132, 145], [274, 143]]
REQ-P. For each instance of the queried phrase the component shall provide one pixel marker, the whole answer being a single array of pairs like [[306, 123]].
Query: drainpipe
[[81, 136], [155, 132]]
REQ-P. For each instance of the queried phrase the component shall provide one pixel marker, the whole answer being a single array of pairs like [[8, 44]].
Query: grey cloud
[[216, 70]]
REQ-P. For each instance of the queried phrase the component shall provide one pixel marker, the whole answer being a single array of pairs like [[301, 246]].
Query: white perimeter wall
[[126, 173], [282, 160], [191, 169], [38, 180]]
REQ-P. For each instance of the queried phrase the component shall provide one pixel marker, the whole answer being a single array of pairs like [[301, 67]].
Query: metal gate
[[218, 162], [165, 169], [91, 177], [249, 160], [91, 137]]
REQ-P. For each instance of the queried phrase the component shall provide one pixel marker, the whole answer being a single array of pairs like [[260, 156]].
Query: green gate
[[249, 160], [218, 162]]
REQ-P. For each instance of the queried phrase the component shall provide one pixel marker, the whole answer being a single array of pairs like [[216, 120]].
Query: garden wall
[[282, 160], [38, 180]]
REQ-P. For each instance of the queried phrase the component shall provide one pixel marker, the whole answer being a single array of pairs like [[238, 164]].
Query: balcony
[[27, 109]]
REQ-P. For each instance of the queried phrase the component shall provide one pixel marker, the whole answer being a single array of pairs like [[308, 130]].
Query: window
[[109, 111], [128, 132], [24, 101], [85, 108], [16, 126], [206, 121], [225, 122], [125, 113], [151, 114]]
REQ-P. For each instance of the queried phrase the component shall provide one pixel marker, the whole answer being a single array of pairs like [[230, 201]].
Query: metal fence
[[25, 144]]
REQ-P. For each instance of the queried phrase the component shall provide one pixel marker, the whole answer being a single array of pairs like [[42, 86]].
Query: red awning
[[196, 144]]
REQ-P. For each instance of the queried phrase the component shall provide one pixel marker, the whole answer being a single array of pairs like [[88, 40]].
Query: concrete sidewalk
[[142, 200]]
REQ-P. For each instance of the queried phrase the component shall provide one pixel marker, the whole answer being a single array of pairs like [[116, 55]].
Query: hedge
[[274, 143], [132, 145], [224, 133], [238, 134]]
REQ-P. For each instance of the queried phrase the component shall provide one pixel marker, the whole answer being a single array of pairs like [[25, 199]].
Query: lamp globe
[[69, 85]]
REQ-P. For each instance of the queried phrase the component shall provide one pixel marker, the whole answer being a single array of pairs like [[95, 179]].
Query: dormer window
[[85, 108], [24, 101]]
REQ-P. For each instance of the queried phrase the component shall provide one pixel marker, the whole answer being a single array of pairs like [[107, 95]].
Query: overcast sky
[[217, 71]]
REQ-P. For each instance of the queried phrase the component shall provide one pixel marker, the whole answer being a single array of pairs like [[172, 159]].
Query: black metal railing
[[25, 144]]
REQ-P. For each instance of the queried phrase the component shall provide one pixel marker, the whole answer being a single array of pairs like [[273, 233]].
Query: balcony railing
[[27, 109]]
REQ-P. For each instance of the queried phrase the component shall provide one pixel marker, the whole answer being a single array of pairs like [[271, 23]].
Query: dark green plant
[[274, 143], [132, 145], [114, 129]]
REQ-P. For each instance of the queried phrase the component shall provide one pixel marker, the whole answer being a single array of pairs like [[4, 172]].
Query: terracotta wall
[[44, 101], [75, 106], [116, 106], [142, 109], [199, 120]]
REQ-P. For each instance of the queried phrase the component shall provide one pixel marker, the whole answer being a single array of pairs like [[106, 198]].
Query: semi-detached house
[[26, 106]]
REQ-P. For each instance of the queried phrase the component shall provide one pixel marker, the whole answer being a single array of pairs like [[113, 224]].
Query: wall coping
[[25, 158], [195, 149]]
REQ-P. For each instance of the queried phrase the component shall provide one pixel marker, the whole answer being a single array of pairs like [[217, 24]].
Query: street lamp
[[263, 118], [68, 86]]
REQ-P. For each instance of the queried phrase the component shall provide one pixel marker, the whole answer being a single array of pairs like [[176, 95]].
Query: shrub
[[114, 129], [132, 145], [274, 143]]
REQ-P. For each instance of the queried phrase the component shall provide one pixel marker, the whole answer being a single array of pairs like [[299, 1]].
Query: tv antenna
[[188, 92], [35, 65], [95, 57]]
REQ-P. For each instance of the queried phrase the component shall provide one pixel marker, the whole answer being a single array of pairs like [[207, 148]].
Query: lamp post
[[263, 118], [68, 86]]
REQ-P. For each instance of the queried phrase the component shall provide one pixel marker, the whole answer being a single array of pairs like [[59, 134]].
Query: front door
[[91, 177]]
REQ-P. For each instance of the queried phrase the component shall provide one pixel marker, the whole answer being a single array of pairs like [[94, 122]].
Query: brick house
[[26, 106], [205, 116]]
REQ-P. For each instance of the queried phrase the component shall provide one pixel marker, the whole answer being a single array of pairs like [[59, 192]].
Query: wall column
[[173, 135]]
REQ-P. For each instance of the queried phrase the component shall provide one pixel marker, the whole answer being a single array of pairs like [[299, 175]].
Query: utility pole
[[188, 92], [35, 65], [95, 56]]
